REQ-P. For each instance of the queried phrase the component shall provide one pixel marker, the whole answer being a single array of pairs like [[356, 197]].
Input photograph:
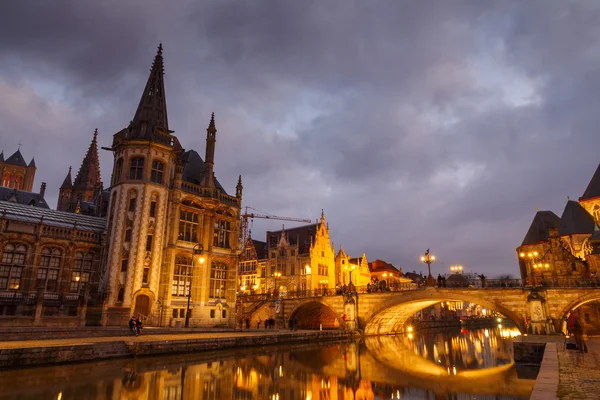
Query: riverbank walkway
[[576, 375], [31, 352]]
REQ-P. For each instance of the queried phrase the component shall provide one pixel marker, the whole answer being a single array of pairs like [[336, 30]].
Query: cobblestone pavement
[[579, 372], [142, 338]]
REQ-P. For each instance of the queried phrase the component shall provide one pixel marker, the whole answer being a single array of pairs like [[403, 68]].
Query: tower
[[145, 158], [16, 173], [75, 193]]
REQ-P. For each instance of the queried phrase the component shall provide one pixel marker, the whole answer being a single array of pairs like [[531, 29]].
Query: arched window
[[136, 168], [118, 171], [18, 183], [11, 266], [82, 269], [156, 175], [597, 213], [222, 233], [48, 271], [6, 179], [153, 202], [218, 280], [132, 201], [182, 276]]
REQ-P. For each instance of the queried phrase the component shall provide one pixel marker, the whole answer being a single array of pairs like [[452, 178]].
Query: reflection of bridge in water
[[256, 372]]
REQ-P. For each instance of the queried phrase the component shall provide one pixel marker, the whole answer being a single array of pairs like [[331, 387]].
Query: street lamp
[[429, 259], [532, 256], [541, 267], [456, 269], [196, 251], [276, 275], [349, 270]]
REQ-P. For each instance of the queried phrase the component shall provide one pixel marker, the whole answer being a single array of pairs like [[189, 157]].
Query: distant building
[[296, 261], [565, 250], [382, 271], [17, 181]]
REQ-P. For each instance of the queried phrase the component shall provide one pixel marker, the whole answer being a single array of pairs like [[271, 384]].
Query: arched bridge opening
[[587, 307], [314, 315], [391, 316]]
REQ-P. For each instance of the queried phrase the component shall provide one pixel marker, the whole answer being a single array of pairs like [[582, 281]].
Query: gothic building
[[295, 261], [80, 196], [565, 250], [17, 181], [172, 229], [163, 235]]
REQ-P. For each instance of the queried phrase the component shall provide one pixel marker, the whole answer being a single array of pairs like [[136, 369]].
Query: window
[[146, 274], [248, 253], [273, 254], [282, 253], [132, 204], [82, 269], [218, 280], [212, 313], [149, 243], [292, 253], [188, 226], [224, 314], [128, 234], [153, 207], [322, 253], [293, 268], [221, 234], [47, 275], [182, 276], [118, 170], [11, 266], [121, 295], [136, 168], [156, 175], [124, 263], [323, 270]]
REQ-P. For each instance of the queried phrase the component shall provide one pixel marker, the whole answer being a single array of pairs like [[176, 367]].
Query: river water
[[444, 365]]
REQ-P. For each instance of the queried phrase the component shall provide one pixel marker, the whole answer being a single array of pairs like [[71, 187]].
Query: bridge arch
[[390, 316], [587, 298], [312, 314]]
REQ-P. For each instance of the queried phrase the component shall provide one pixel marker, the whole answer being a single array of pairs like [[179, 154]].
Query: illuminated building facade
[[565, 250]]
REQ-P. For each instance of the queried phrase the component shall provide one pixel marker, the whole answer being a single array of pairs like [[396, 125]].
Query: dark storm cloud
[[413, 124]]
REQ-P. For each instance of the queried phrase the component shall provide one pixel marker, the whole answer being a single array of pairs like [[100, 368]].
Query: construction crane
[[252, 215]]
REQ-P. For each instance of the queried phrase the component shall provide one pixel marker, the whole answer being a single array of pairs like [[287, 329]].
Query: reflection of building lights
[[410, 335], [280, 371], [499, 319], [410, 329], [59, 397], [499, 326], [454, 370], [486, 333], [308, 395]]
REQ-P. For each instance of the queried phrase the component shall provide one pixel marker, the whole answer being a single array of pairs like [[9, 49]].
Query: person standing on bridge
[[579, 330]]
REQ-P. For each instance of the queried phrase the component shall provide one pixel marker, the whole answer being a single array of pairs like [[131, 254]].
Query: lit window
[[11, 266], [221, 234], [182, 276], [82, 269], [218, 280], [188, 226], [47, 275]]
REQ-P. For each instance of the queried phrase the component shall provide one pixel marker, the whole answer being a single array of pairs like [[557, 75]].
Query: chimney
[[42, 190]]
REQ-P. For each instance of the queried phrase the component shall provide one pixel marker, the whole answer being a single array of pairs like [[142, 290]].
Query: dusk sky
[[413, 124]]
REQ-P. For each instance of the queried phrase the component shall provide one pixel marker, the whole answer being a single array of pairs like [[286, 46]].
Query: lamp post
[[429, 259], [531, 258], [349, 270], [196, 251], [276, 275], [457, 269]]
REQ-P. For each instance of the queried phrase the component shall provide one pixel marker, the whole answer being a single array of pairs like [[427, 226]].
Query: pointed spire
[[67, 183], [16, 159], [88, 176], [32, 163], [322, 216], [211, 124], [209, 157], [152, 110], [2, 156]]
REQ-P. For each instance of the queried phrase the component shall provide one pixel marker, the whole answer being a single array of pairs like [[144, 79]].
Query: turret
[[239, 188], [209, 158]]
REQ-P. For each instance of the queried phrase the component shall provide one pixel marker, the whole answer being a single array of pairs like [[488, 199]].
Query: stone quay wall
[[16, 356]]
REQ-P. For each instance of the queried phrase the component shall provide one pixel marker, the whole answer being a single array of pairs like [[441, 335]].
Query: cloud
[[413, 125]]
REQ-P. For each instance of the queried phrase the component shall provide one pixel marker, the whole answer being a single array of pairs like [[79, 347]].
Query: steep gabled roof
[[22, 197], [575, 219], [24, 213], [193, 169], [300, 236], [541, 224], [380, 266], [32, 163], [593, 188], [16, 159], [88, 176]]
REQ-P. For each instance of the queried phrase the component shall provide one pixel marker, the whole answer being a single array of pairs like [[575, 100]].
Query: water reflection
[[425, 366]]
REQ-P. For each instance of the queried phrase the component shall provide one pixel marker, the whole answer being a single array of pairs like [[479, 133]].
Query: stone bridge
[[387, 313]]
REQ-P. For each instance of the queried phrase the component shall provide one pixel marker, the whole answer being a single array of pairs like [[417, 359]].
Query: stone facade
[[50, 267], [15, 173], [173, 231]]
